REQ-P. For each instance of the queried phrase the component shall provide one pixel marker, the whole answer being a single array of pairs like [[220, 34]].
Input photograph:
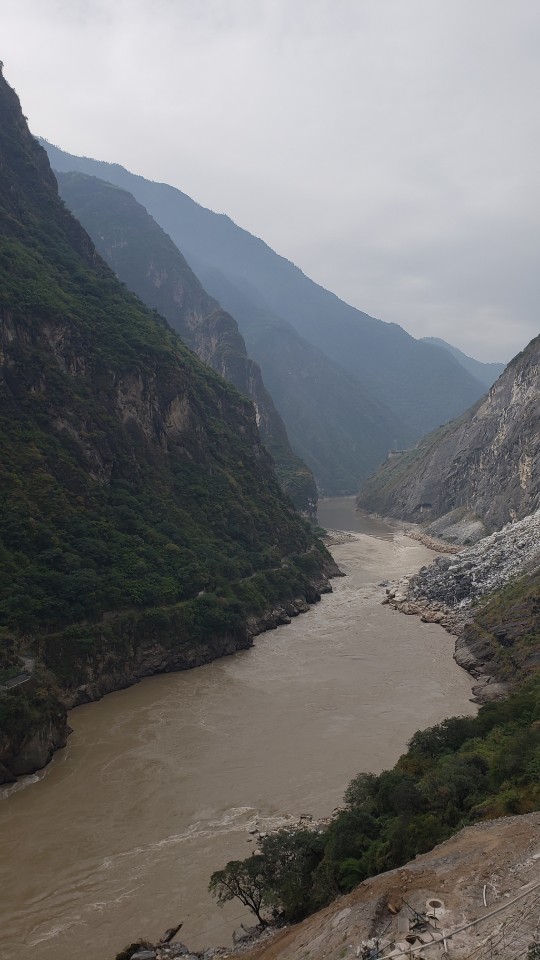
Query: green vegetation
[[243, 880], [144, 257], [353, 367], [505, 631], [137, 504], [456, 773]]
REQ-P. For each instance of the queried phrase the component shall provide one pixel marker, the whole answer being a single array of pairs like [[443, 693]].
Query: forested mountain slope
[[147, 261], [422, 385], [334, 426], [338, 428], [333, 423], [486, 464], [141, 522]]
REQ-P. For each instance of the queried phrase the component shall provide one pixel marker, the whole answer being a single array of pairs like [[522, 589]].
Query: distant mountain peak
[[392, 388], [485, 373]]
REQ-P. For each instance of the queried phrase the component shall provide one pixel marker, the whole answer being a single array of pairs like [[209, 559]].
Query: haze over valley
[[269, 564]]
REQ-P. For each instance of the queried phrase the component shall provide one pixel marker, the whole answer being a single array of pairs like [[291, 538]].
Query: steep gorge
[[142, 526], [478, 472], [147, 261], [391, 387]]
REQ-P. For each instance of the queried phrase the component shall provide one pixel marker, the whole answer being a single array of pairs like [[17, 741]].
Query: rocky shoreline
[[449, 590], [445, 592], [433, 543], [142, 660], [334, 538]]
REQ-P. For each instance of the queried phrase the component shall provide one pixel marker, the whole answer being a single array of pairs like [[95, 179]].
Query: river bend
[[161, 784]]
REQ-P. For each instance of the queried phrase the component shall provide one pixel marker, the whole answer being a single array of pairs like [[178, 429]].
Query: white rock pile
[[453, 583]]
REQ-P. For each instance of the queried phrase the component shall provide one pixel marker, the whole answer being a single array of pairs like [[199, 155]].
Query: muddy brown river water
[[162, 783]]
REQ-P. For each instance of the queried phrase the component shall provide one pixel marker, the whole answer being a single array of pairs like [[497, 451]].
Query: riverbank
[[512, 551], [453, 591], [161, 647], [164, 782], [434, 543], [485, 879]]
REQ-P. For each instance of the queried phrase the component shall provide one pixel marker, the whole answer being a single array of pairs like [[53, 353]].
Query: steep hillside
[[421, 384], [338, 429], [489, 595], [486, 373], [147, 261], [335, 426], [142, 527], [461, 771], [485, 465], [495, 858]]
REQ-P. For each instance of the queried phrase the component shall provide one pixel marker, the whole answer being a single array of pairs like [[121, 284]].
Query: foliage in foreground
[[462, 770]]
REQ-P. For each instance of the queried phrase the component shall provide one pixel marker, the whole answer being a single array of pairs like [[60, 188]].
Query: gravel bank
[[446, 591]]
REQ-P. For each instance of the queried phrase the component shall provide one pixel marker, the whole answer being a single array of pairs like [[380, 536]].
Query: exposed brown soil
[[501, 856]]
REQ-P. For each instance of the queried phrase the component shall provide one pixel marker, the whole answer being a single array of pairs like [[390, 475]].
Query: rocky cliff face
[[484, 466], [393, 387], [147, 261], [422, 385], [32, 749], [141, 525]]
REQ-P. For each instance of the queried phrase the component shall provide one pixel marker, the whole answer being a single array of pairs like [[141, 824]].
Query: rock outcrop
[[147, 261], [33, 749], [142, 526], [477, 473], [489, 596], [394, 388]]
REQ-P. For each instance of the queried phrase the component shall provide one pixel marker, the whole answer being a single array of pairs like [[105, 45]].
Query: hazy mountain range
[[486, 373], [142, 526], [478, 472], [147, 261], [349, 387]]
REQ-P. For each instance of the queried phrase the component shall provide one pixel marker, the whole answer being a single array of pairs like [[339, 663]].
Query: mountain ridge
[[482, 469], [147, 261], [421, 385], [142, 527], [334, 425], [486, 373]]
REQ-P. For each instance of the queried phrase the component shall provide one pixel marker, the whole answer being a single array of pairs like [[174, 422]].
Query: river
[[161, 784]]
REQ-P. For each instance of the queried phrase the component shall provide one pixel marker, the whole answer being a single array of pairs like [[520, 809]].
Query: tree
[[291, 856], [351, 873], [361, 792], [243, 880]]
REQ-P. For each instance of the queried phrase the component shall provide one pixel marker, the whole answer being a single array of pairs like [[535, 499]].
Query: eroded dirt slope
[[501, 857]]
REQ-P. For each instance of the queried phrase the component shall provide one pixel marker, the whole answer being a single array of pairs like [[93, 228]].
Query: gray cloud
[[388, 148]]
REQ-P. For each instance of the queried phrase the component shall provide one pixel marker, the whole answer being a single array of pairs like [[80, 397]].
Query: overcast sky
[[390, 148]]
